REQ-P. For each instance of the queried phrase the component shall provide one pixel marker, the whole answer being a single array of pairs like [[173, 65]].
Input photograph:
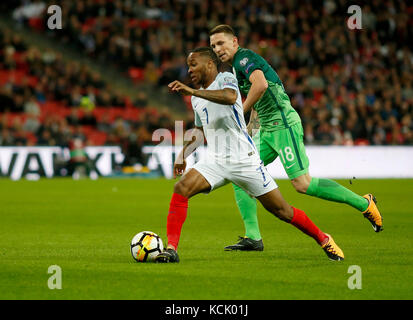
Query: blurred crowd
[[47, 101], [349, 86]]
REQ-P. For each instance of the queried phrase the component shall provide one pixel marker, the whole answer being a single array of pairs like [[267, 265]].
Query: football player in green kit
[[280, 134]]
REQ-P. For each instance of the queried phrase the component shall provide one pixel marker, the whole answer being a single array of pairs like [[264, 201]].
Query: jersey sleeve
[[228, 80], [247, 63]]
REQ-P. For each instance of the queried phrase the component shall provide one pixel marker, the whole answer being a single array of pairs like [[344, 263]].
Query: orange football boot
[[332, 250], [372, 213]]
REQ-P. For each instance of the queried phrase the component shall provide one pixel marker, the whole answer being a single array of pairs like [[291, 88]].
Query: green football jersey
[[274, 108]]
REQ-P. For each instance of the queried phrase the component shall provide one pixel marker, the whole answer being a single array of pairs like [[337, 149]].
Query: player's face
[[224, 45], [197, 67]]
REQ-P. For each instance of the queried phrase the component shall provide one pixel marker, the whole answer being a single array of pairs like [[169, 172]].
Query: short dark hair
[[208, 52], [222, 28]]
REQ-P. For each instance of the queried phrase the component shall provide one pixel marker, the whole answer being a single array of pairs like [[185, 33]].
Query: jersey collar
[[233, 59]]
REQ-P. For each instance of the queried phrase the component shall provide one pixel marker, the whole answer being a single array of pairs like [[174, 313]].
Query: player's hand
[[179, 168], [178, 86]]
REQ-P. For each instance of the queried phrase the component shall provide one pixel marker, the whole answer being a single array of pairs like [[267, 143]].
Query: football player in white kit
[[231, 155]]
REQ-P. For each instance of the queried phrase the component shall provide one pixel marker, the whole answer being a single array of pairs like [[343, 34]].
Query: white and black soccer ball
[[145, 246]]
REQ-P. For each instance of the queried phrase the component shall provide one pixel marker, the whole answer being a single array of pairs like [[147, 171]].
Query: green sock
[[248, 208], [330, 190]]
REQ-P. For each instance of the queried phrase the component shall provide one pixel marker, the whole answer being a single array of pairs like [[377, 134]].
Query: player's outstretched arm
[[259, 85], [224, 96]]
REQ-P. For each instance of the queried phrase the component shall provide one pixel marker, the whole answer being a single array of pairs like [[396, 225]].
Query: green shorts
[[288, 144]]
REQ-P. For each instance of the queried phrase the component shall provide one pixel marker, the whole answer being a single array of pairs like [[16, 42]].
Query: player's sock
[[248, 208], [302, 222], [330, 190], [176, 217]]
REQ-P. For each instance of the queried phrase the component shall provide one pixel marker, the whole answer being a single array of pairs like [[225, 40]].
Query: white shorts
[[251, 176]]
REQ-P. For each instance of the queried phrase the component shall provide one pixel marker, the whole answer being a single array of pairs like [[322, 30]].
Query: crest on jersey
[[243, 62], [230, 80]]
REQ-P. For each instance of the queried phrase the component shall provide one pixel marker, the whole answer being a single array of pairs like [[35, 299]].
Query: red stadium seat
[[19, 58], [13, 76], [132, 114], [4, 77], [361, 142], [36, 23], [13, 116], [31, 138], [99, 113], [317, 95], [136, 74], [97, 138]]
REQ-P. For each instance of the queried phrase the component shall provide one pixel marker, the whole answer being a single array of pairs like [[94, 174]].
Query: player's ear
[[211, 64]]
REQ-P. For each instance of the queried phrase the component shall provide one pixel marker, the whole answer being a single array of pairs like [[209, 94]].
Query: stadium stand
[[350, 87], [45, 100]]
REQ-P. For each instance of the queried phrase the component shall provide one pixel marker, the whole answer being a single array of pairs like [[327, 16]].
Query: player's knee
[[284, 213], [181, 188], [300, 186]]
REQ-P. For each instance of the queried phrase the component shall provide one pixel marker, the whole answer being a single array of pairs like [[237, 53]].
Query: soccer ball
[[145, 246]]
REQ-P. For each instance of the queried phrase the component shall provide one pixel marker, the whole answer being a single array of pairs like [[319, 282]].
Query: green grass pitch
[[85, 227]]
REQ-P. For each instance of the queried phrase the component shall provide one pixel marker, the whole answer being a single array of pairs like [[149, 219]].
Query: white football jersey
[[224, 125]]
